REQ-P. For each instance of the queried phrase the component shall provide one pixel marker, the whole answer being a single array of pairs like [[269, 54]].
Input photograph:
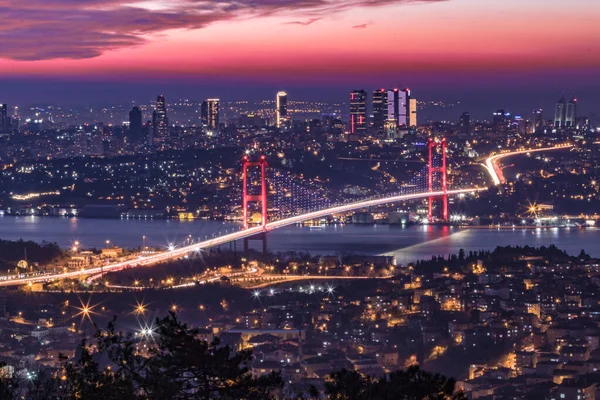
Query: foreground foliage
[[172, 362]]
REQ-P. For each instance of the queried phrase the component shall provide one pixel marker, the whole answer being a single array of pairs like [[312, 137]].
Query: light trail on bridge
[[224, 239], [496, 172]]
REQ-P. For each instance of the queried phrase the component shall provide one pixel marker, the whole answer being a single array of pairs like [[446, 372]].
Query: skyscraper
[[135, 125], [210, 114], [358, 112], [412, 113], [385, 108], [538, 121], [379, 109], [160, 121], [4, 120], [204, 113], [571, 113], [559, 113], [404, 108], [499, 122], [281, 109], [465, 124]]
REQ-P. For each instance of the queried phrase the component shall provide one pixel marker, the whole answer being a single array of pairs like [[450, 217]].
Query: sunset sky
[[470, 46]]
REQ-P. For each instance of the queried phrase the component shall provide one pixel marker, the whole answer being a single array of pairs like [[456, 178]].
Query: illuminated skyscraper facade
[[213, 109], [385, 108], [160, 121], [412, 113], [379, 109], [404, 108], [358, 112], [281, 109], [559, 113], [571, 113]]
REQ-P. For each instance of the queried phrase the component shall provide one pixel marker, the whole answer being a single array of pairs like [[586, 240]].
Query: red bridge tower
[[262, 198], [433, 144]]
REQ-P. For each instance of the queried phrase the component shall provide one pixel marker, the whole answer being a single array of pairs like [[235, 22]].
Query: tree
[[411, 384], [177, 366]]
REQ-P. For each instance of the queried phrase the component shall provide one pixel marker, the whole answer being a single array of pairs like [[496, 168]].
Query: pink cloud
[[78, 29]]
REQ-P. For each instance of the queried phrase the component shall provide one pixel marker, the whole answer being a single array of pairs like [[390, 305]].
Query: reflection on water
[[405, 243], [570, 239]]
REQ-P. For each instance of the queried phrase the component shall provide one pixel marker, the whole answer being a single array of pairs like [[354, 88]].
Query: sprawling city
[[220, 200]]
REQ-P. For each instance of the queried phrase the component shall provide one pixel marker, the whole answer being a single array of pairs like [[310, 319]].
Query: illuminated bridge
[[430, 183]]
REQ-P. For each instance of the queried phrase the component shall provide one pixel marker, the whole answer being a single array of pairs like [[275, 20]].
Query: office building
[[404, 108], [210, 114], [160, 121], [465, 124], [538, 122], [358, 112], [571, 113], [500, 121], [412, 113], [4, 119], [135, 125], [385, 108], [281, 109], [379, 109], [560, 113]]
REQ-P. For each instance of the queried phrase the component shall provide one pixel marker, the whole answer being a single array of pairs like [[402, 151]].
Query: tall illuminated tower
[[358, 112], [571, 113], [160, 121], [385, 108], [559, 113], [412, 113], [404, 108], [213, 107], [379, 108], [281, 108]]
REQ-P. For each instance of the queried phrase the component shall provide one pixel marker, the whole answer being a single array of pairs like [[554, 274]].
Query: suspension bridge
[[430, 183]]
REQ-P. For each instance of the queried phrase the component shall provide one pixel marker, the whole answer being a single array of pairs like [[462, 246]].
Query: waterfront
[[405, 243]]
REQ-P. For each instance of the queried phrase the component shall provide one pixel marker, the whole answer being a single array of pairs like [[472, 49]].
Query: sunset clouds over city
[[304, 39]]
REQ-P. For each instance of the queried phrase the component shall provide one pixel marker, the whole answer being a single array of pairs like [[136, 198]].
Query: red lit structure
[[262, 198], [433, 144]]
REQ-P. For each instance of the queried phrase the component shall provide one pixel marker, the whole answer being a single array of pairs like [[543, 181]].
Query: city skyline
[[446, 48]]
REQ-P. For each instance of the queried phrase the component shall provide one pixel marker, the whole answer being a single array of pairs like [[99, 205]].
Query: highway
[[496, 172], [220, 240]]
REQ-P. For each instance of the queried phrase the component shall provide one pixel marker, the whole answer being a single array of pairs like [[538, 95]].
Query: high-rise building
[[404, 107], [465, 124], [538, 121], [15, 121], [412, 113], [204, 113], [210, 114], [135, 125], [4, 119], [358, 112], [385, 108], [379, 109], [500, 121], [281, 109], [160, 121], [571, 113], [560, 113]]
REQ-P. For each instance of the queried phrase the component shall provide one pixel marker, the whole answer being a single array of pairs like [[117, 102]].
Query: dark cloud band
[[76, 29]]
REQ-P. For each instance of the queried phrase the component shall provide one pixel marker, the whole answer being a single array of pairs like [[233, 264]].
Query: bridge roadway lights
[[219, 240]]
